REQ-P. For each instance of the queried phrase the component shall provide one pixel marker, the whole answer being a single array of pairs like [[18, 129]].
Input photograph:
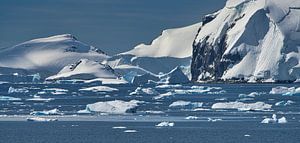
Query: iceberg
[[144, 79], [174, 77], [114, 107], [258, 106]]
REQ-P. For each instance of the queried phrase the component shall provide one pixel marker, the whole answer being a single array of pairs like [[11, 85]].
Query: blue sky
[[113, 25]]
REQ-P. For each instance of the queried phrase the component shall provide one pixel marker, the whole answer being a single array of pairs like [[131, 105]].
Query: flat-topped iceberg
[[285, 90], [258, 106], [181, 103], [114, 107], [47, 112]]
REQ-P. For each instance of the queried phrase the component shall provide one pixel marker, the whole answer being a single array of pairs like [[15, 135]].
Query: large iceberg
[[114, 107], [257, 106]]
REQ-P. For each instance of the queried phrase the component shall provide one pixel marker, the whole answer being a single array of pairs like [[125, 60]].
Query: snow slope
[[48, 55], [175, 43], [171, 49], [254, 40]]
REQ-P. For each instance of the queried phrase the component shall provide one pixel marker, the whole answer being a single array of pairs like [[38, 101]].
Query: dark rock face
[[206, 60]]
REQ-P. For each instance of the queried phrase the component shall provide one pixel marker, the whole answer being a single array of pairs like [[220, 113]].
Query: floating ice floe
[[99, 89], [163, 95], [47, 112], [192, 118], [8, 98], [289, 91], [55, 91], [114, 107], [169, 86], [39, 99], [130, 131], [274, 120], [180, 103], [165, 124], [258, 106], [252, 94], [85, 111], [154, 112], [17, 90], [141, 91], [197, 90], [213, 120], [119, 127], [284, 103], [39, 119]]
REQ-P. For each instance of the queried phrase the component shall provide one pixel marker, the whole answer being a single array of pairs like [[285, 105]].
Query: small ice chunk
[[85, 111], [213, 120], [39, 119], [284, 103], [163, 95], [165, 124], [282, 120], [154, 112], [39, 99], [141, 91], [191, 118]]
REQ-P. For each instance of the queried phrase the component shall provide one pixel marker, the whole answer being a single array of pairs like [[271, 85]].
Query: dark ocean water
[[230, 125]]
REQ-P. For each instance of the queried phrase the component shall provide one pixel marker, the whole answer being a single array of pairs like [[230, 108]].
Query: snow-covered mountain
[[252, 40], [48, 55]]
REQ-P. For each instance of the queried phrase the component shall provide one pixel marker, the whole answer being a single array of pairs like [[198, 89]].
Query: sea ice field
[[60, 112]]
